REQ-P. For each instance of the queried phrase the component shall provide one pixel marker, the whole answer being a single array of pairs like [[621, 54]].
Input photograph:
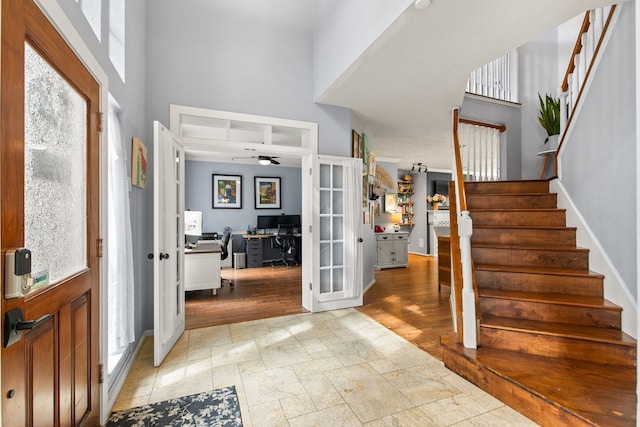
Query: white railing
[[480, 150], [494, 80], [594, 27]]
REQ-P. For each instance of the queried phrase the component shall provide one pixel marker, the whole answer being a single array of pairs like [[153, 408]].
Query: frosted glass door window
[[55, 171]]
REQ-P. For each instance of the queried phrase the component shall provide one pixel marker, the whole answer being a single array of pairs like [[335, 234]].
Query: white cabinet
[[392, 249], [202, 270]]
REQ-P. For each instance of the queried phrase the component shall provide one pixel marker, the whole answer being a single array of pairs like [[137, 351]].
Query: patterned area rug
[[213, 408]]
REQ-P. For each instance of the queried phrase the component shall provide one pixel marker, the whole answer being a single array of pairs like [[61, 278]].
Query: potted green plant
[[550, 118]]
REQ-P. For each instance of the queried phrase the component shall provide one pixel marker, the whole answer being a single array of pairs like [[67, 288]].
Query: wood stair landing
[[550, 344]]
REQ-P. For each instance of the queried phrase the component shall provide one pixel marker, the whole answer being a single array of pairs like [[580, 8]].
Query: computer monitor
[[193, 223], [271, 222]]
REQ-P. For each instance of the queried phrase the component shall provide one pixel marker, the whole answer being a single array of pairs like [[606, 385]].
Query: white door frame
[[307, 149]]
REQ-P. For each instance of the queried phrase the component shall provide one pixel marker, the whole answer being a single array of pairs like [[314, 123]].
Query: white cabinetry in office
[[202, 270], [392, 249]]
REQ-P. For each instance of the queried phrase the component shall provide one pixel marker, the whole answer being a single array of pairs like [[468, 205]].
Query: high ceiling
[[407, 82]]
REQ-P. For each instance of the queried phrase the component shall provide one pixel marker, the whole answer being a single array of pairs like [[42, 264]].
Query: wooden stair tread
[[579, 332], [593, 393], [560, 299], [536, 270], [517, 210], [521, 227], [530, 247]]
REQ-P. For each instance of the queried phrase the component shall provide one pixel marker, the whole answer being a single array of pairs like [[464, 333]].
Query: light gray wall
[[130, 95], [538, 65], [598, 161], [243, 56], [475, 108], [198, 193], [342, 32]]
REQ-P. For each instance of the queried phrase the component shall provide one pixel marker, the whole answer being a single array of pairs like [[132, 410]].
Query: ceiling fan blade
[[275, 162]]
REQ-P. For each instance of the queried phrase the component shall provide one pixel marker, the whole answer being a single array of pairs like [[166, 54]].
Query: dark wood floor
[[405, 300]]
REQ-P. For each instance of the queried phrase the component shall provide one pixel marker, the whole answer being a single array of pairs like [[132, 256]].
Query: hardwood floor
[[405, 300]]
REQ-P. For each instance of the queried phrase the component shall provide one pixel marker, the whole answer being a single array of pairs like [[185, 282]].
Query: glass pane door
[[55, 171]]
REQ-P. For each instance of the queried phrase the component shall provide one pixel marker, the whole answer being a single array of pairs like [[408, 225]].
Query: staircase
[[550, 345]]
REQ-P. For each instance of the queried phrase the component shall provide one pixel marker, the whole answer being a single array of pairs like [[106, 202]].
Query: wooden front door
[[49, 204]]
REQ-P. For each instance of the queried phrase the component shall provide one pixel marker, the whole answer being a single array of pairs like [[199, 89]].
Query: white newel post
[[465, 230]]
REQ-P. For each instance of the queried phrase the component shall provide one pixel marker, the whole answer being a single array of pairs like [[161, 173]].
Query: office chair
[[285, 242], [226, 237]]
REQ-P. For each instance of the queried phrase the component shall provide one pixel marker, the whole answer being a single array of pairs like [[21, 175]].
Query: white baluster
[[590, 44], [576, 78], [563, 111], [598, 22], [583, 58]]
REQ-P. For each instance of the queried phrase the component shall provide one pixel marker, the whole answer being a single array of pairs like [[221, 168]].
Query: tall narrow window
[[120, 282], [116, 35], [92, 10]]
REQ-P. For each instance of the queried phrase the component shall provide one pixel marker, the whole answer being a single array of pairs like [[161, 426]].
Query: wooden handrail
[[458, 159], [500, 128], [576, 50], [596, 51]]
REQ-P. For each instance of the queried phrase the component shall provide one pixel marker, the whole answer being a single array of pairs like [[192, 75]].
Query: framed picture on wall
[[227, 191], [268, 192]]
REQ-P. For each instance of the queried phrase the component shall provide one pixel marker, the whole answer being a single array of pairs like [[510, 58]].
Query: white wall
[[342, 32]]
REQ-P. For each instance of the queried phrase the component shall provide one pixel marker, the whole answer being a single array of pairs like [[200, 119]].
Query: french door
[[168, 238], [336, 234], [49, 204]]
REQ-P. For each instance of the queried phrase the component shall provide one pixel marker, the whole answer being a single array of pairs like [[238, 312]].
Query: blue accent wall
[[198, 193]]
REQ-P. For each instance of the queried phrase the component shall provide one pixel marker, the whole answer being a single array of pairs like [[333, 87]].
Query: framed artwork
[[227, 191], [372, 163], [267, 192], [390, 202], [365, 150], [138, 163], [355, 144]]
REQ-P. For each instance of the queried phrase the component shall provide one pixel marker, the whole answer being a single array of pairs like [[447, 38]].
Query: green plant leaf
[[549, 114]]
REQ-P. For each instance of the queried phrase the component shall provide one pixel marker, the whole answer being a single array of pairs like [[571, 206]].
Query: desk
[[546, 154], [255, 249], [202, 269]]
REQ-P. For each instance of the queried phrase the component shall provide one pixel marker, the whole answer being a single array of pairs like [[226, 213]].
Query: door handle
[[163, 256], [14, 325]]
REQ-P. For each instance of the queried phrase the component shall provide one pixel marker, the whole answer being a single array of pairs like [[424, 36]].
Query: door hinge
[[100, 121], [309, 229], [310, 286], [100, 374], [100, 248], [310, 171]]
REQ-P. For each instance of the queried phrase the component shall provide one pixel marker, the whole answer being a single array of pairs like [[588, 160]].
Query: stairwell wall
[[598, 167]]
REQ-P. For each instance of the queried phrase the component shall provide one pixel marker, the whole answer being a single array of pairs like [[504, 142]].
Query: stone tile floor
[[337, 368]]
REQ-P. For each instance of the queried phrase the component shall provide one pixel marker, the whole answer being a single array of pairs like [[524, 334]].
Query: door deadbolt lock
[[14, 325]]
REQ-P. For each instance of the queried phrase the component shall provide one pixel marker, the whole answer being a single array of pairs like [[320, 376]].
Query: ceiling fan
[[263, 160]]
